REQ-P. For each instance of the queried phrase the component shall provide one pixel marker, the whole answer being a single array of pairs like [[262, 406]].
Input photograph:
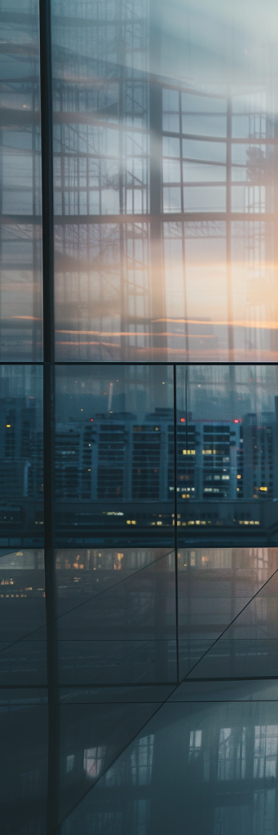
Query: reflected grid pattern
[[138, 417]]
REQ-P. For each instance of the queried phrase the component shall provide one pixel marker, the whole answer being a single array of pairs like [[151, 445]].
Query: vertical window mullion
[[49, 411]]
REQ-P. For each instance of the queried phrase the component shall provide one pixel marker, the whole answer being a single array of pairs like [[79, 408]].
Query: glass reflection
[[223, 778], [21, 457], [22, 619], [23, 764], [216, 587], [117, 628], [242, 642], [92, 737], [227, 450], [20, 187], [165, 180], [81, 573], [114, 456]]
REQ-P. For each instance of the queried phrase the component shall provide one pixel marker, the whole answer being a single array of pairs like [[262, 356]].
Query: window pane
[[118, 624], [114, 455], [22, 618], [227, 494], [164, 111], [215, 584], [21, 457], [22, 579], [20, 235], [226, 452], [24, 743]]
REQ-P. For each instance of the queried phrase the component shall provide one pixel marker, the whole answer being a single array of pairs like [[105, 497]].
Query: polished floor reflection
[[164, 705], [144, 763], [208, 767]]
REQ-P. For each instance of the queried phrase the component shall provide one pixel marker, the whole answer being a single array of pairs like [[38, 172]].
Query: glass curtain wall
[[138, 384]]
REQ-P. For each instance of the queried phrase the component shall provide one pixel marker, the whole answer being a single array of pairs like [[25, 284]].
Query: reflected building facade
[[157, 177], [20, 197], [164, 170]]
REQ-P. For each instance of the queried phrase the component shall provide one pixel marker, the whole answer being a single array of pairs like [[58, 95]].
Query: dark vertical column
[[188, 645], [49, 332], [176, 522], [47, 180], [36, 262]]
